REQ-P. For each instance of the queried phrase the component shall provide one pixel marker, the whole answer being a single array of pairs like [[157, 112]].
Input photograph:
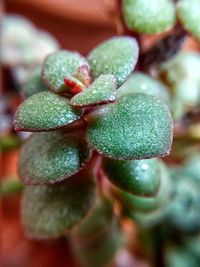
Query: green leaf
[[45, 111], [139, 82], [150, 17], [97, 220], [96, 240], [52, 156], [184, 211], [189, 15], [134, 127], [59, 65], [139, 177], [132, 203], [102, 90], [117, 56], [181, 73], [50, 210], [33, 84]]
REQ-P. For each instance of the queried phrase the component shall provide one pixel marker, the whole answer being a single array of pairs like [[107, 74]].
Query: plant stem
[[158, 245]]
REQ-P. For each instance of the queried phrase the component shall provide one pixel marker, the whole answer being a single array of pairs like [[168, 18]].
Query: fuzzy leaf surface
[[149, 17], [45, 111], [52, 156], [50, 210], [102, 90], [117, 56], [136, 126], [59, 65]]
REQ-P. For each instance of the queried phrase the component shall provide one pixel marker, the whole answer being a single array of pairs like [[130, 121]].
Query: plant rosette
[[75, 105]]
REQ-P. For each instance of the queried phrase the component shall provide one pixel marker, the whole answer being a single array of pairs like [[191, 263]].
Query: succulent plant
[[100, 125]]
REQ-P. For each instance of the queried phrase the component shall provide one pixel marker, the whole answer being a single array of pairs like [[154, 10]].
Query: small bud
[[74, 86], [83, 75]]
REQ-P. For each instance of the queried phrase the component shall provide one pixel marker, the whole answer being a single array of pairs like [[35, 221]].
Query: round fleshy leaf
[[134, 127], [100, 250], [33, 84], [184, 211], [150, 17], [132, 203], [50, 210], [189, 14], [97, 221], [117, 56], [102, 90], [59, 65], [52, 156], [45, 111], [139, 82], [139, 177], [181, 73]]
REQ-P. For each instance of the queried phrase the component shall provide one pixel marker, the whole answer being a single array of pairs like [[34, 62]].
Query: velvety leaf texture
[[59, 65], [149, 17], [117, 56], [52, 156], [34, 84], [189, 14], [45, 111], [136, 126], [102, 90], [50, 210], [139, 82], [139, 177]]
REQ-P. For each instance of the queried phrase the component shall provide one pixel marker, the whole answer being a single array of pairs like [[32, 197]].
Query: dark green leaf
[[59, 65], [97, 221], [139, 177], [52, 156], [97, 239], [102, 90], [136, 126], [132, 203], [117, 56], [45, 111], [50, 210]]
